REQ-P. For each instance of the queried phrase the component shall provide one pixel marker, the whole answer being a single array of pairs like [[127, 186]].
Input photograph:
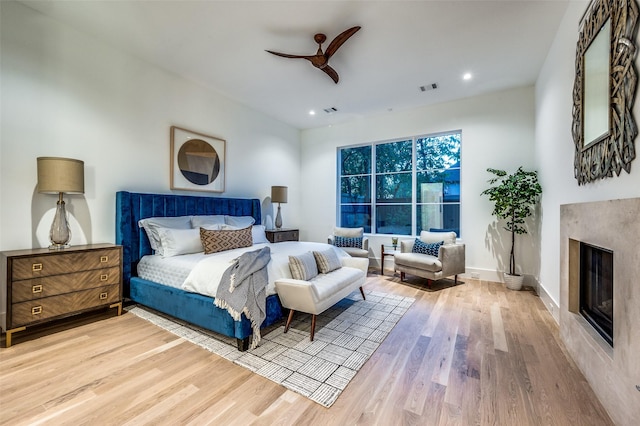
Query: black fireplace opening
[[596, 289]]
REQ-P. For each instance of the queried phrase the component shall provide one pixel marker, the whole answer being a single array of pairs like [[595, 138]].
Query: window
[[355, 187], [417, 185]]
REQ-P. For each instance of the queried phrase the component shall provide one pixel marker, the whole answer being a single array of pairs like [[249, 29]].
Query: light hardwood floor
[[473, 354]]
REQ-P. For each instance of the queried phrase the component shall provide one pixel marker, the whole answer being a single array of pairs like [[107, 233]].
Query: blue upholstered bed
[[191, 307]]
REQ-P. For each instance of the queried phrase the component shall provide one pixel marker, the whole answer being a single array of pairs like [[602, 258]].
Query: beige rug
[[346, 336]]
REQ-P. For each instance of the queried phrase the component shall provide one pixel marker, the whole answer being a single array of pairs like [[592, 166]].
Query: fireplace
[[613, 372], [596, 289]]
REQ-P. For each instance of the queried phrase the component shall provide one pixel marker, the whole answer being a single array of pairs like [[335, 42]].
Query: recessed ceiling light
[[467, 76], [312, 112]]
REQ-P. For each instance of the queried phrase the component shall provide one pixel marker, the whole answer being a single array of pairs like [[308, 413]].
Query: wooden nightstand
[[282, 234], [41, 285]]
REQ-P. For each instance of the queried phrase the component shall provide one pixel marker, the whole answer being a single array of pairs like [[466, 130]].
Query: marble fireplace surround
[[613, 373]]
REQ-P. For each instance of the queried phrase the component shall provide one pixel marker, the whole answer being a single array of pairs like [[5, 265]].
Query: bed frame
[[191, 307]]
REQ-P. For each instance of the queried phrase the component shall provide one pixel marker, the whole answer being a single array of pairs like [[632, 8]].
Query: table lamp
[[56, 176], [278, 195]]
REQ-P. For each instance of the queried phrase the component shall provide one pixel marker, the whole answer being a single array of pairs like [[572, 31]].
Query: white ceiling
[[402, 45]]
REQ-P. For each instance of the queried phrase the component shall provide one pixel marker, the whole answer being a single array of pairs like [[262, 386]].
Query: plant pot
[[513, 282]]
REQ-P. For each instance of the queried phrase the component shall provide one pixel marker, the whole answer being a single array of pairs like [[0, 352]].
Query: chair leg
[[455, 280], [401, 276], [313, 326], [362, 292], [286, 326]]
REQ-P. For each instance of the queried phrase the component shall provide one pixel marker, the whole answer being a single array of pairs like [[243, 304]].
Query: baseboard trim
[[549, 303]]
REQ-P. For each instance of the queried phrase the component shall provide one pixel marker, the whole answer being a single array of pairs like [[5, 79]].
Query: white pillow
[[212, 227], [151, 226], [258, 234], [179, 241], [239, 221], [206, 220]]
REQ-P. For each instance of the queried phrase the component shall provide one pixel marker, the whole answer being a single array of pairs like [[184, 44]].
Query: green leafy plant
[[513, 196]]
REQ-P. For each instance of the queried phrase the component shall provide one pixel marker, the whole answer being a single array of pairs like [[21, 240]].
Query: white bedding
[[169, 271], [200, 273]]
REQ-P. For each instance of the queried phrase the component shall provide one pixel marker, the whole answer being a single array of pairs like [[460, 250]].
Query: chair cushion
[[356, 252], [418, 261], [326, 285], [434, 237], [426, 248]]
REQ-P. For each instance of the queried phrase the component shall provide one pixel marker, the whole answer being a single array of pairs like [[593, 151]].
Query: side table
[[386, 250], [282, 234]]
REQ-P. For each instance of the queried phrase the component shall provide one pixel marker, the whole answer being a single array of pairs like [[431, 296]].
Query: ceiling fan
[[321, 59]]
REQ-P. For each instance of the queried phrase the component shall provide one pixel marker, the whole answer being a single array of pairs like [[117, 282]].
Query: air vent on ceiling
[[432, 86], [330, 110]]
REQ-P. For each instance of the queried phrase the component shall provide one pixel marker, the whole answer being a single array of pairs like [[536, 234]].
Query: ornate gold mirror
[[604, 129]]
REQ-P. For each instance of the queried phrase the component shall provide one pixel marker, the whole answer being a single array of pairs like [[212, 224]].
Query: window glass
[[354, 167], [355, 161], [416, 187], [393, 219], [394, 157]]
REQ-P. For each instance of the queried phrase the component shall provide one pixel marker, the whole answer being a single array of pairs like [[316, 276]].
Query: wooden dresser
[[40, 285], [282, 234]]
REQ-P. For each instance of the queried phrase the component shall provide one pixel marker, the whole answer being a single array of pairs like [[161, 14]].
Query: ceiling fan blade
[[286, 55], [331, 73], [339, 40]]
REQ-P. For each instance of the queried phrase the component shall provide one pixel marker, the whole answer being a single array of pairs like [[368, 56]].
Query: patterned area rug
[[346, 336]]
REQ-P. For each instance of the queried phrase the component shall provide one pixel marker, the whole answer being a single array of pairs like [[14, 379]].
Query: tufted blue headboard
[[131, 207]]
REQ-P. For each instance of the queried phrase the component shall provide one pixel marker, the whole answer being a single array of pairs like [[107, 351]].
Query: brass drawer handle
[[36, 267], [36, 289], [104, 277], [103, 296], [104, 259], [36, 310]]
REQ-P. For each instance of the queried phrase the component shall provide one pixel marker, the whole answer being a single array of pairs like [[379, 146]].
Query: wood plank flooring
[[472, 354]]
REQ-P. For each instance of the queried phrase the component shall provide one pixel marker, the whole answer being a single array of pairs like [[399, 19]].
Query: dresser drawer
[[38, 288], [33, 311], [47, 265]]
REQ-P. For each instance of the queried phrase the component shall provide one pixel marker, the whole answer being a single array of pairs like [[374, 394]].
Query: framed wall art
[[197, 161]]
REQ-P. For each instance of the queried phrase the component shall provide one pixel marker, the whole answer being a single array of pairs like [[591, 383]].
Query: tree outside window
[[417, 185]]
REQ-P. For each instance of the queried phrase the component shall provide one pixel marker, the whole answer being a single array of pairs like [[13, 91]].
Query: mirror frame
[[614, 151]]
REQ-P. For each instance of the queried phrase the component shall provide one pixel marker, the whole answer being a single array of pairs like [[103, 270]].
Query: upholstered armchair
[[434, 255], [351, 240]]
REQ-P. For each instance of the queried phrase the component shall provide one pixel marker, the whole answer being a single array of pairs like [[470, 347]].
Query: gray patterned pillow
[[327, 261], [303, 267], [214, 241]]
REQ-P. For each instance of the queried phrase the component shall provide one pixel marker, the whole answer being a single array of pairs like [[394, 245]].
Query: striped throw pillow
[[327, 261], [303, 267]]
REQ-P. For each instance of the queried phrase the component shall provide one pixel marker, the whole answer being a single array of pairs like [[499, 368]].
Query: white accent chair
[[323, 291], [450, 259], [351, 233]]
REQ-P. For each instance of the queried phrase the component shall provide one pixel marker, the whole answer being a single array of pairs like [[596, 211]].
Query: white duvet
[[205, 276]]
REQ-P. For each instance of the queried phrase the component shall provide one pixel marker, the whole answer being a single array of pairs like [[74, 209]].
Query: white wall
[[497, 131], [554, 151], [66, 94]]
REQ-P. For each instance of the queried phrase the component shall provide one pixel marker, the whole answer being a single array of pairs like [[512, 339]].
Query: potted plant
[[513, 196]]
